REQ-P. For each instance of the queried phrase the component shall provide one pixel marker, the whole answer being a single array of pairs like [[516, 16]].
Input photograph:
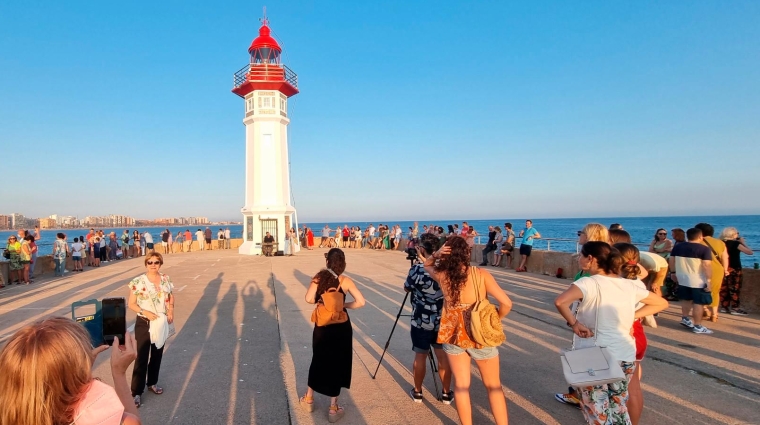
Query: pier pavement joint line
[[279, 334]]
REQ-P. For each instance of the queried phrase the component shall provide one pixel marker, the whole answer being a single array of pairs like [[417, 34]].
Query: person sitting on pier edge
[[427, 302], [266, 247]]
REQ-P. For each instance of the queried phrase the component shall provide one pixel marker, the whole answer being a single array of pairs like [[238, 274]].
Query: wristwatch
[[141, 312]]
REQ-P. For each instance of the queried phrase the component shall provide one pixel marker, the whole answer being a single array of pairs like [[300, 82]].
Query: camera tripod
[[431, 358]]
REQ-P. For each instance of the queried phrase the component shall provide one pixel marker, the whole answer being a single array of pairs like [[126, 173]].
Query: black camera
[[411, 254]]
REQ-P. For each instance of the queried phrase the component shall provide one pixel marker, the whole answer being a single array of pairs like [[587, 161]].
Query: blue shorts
[[484, 353], [697, 295], [423, 339]]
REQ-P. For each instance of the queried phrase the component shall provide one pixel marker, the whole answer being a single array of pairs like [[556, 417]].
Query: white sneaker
[[699, 329], [686, 321]]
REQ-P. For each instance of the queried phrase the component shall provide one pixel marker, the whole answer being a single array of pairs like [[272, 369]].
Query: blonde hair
[[729, 233], [596, 232], [45, 369]]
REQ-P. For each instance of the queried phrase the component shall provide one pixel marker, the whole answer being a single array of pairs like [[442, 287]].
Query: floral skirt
[[15, 261], [605, 404], [731, 289]]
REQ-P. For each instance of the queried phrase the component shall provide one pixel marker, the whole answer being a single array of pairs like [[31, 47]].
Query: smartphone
[[114, 319]]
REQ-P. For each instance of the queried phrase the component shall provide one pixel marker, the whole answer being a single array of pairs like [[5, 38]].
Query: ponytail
[[607, 259], [629, 260]]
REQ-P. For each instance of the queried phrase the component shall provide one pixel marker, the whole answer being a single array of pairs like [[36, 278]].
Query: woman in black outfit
[[332, 354]]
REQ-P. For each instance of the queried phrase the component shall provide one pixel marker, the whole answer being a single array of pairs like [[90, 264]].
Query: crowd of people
[[96, 248], [616, 293]]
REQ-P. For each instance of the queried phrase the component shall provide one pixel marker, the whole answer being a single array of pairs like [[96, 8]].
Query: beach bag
[[7, 254], [485, 324], [649, 321], [592, 366], [160, 329], [330, 310]]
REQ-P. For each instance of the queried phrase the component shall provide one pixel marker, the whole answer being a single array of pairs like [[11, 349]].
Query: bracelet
[[573, 325]]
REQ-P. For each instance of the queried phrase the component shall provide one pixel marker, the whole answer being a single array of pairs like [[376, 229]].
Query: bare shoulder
[[130, 419], [347, 282]]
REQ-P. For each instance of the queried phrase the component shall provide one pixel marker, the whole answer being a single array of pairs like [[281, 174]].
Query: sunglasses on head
[[153, 263]]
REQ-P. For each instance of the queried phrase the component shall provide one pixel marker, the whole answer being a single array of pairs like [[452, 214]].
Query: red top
[[264, 40]]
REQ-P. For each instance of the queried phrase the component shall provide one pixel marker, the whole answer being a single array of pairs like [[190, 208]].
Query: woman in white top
[[150, 296], [617, 299]]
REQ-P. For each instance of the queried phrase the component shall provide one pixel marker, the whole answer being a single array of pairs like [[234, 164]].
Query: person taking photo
[[427, 303]]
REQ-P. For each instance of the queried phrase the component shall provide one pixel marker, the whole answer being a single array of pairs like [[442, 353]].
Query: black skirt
[[331, 360]]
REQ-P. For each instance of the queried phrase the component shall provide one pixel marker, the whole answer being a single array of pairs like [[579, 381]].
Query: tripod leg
[[434, 369], [400, 310]]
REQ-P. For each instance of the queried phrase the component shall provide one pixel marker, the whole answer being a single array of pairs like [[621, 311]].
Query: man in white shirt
[[148, 238], [371, 235], [692, 265], [76, 254], [199, 238], [227, 242]]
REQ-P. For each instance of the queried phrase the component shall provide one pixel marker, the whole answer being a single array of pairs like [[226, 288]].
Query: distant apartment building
[[48, 223], [5, 222], [18, 221]]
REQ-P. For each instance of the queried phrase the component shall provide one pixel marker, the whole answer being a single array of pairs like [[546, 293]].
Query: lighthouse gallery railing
[[264, 72]]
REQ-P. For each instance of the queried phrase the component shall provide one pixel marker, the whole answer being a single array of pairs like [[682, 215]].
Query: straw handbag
[[485, 324], [592, 366]]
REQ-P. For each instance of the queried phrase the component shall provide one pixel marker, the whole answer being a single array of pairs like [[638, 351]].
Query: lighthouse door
[[269, 225]]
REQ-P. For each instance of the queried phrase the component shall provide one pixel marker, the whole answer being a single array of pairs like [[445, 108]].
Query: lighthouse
[[266, 84]]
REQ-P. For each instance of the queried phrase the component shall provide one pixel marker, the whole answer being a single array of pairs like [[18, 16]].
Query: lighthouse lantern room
[[266, 84]]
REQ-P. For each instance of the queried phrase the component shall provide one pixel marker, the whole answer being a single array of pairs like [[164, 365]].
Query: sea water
[[559, 234]]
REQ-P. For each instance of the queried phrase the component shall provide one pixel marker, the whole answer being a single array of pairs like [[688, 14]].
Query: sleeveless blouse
[[455, 321]]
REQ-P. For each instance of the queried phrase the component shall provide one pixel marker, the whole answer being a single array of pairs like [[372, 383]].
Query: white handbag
[[592, 366]]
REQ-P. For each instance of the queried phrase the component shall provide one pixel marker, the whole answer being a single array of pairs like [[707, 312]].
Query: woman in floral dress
[[150, 296]]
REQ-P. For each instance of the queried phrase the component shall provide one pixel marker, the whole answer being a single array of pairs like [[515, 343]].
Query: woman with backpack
[[332, 353]]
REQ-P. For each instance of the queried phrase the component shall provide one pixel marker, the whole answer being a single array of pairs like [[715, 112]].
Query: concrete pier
[[243, 346]]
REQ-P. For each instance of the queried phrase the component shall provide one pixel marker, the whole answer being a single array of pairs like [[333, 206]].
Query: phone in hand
[[114, 319]]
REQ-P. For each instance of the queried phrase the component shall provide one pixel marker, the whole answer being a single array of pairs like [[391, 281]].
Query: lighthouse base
[[256, 224]]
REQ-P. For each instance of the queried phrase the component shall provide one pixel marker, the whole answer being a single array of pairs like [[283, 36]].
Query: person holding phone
[[54, 358], [150, 296]]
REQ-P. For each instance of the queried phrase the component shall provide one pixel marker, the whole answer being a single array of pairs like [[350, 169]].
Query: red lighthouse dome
[[264, 40], [264, 71]]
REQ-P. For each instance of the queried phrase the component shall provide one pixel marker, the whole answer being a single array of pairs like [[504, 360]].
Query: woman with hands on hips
[[54, 359], [610, 301], [150, 296]]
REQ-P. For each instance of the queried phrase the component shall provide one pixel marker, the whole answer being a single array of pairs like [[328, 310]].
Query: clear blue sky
[[407, 109]]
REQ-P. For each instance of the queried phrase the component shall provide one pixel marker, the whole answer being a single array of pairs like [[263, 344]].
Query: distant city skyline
[[407, 110]]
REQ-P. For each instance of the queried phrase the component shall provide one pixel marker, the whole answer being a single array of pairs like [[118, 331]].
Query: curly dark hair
[[336, 261], [455, 266]]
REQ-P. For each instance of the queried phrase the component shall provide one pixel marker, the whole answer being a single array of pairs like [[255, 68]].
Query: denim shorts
[[423, 339], [484, 353]]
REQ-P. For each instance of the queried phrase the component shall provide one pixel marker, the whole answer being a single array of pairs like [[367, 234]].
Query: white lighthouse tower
[[266, 84]]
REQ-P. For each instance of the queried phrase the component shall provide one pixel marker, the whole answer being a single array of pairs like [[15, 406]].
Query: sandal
[[138, 402], [336, 412], [307, 403], [155, 389]]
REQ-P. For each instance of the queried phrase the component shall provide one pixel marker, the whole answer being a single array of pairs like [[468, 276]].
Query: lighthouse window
[[266, 102], [283, 103], [249, 104]]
